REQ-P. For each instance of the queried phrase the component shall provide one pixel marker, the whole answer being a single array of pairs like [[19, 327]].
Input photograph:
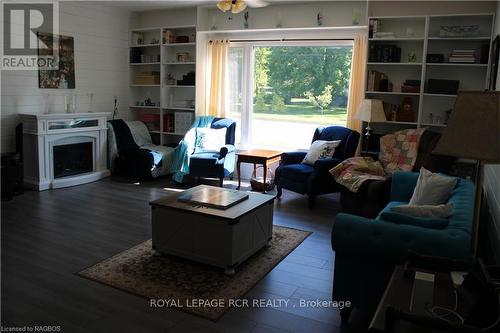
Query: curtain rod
[[292, 40]]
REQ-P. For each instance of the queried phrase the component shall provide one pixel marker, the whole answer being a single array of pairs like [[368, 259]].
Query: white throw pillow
[[210, 139], [432, 188], [320, 149], [441, 211]]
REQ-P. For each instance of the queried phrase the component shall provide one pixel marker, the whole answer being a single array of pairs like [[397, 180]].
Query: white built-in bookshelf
[[420, 36], [162, 92]]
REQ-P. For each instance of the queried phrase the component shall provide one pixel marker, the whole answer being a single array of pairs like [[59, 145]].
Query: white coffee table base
[[210, 239]]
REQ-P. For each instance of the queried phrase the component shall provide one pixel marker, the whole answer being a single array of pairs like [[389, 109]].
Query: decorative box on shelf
[[147, 78]]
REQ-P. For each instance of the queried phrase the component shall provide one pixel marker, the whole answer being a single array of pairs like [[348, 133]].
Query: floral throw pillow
[[320, 149], [210, 139]]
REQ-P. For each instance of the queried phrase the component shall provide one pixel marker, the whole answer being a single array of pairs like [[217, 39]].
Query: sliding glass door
[[281, 92]]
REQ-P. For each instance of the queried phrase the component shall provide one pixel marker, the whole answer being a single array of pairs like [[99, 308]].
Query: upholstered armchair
[[216, 164], [315, 180]]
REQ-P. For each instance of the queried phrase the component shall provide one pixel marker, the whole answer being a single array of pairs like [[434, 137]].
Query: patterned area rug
[[186, 285]]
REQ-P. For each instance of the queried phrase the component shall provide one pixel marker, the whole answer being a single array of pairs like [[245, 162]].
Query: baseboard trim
[[66, 181]]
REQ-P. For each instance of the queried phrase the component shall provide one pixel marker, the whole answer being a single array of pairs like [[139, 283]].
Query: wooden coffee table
[[219, 237], [257, 156]]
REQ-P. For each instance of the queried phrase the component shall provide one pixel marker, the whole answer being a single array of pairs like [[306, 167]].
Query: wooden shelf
[[177, 108], [154, 29], [144, 107], [173, 27], [426, 40], [391, 93], [395, 63], [180, 63], [457, 64], [143, 63], [167, 64], [458, 39], [180, 44], [397, 39], [144, 45], [440, 95]]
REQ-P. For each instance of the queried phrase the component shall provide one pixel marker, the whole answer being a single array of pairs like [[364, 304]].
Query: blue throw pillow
[[424, 222]]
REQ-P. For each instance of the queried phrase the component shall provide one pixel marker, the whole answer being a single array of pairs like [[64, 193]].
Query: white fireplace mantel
[[42, 132]]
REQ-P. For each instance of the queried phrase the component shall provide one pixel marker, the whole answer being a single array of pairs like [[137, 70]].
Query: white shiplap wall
[[492, 182], [101, 55]]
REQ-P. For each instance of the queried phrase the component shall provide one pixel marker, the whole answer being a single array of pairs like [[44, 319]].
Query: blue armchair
[[367, 250], [209, 164], [315, 180]]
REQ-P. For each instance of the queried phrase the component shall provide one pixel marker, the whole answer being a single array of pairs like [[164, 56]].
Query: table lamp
[[370, 111], [473, 132]]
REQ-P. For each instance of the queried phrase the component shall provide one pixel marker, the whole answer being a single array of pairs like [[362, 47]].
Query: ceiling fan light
[[224, 5], [238, 6]]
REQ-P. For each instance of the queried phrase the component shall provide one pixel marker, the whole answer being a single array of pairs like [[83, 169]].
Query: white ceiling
[[144, 5]]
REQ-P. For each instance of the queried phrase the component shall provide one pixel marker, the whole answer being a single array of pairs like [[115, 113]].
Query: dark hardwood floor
[[48, 236]]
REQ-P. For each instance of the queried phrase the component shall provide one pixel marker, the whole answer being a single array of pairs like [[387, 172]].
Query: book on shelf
[[463, 56], [374, 78], [384, 53], [168, 122]]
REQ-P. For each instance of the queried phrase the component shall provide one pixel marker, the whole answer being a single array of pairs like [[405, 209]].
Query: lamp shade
[[473, 131], [372, 111]]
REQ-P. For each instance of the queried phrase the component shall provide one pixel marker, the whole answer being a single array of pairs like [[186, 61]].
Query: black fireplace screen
[[72, 159]]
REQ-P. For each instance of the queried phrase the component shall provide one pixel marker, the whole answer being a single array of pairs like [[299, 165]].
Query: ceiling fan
[[237, 6]]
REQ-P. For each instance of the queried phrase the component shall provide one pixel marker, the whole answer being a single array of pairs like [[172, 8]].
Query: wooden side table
[[263, 157]]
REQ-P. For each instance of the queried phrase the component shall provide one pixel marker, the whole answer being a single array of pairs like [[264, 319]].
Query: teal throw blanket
[[182, 153]]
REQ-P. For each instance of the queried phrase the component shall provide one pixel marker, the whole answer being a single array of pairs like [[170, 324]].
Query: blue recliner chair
[[315, 180], [221, 164], [367, 250]]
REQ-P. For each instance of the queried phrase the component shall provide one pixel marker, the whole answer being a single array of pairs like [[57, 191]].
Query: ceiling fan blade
[[256, 3]]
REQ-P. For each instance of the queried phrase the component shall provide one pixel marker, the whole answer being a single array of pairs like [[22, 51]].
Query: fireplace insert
[[72, 159]]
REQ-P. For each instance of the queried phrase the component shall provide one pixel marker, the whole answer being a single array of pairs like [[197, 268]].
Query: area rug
[[196, 288]]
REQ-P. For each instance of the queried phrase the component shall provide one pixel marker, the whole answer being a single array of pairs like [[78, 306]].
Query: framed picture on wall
[[63, 77], [495, 68]]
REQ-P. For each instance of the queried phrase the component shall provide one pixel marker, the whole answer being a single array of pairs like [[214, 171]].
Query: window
[[280, 93]]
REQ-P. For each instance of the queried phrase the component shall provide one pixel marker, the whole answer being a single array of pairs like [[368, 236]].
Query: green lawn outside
[[304, 113]]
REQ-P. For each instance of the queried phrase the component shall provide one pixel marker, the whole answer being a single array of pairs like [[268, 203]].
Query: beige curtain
[[217, 78], [357, 86]]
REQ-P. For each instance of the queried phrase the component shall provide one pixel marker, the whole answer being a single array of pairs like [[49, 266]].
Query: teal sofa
[[367, 250]]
